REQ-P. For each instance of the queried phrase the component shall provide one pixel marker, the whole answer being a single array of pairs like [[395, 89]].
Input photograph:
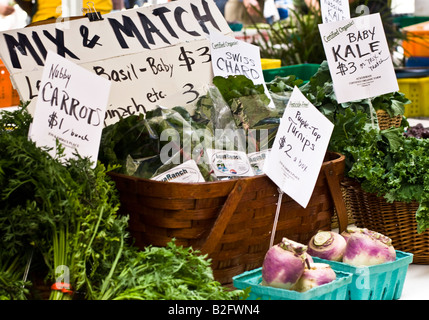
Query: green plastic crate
[[301, 71], [408, 20], [379, 282], [335, 290]]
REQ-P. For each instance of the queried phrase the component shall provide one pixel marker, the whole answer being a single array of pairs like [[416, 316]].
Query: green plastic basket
[[379, 282], [301, 71], [335, 290], [408, 20]]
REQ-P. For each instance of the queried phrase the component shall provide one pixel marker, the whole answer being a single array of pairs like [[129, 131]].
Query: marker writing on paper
[[59, 73]]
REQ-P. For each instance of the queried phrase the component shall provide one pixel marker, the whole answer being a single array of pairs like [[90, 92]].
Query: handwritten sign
[[334, 10], [359, 58], [169, 77], [119, 33], [234, 57], [296, 157], [71, 108], [125, 47]]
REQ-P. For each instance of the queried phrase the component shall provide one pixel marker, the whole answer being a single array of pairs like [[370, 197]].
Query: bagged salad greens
[[233, 116]]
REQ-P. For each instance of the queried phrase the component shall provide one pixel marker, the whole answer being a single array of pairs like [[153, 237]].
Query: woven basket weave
[[397, 220], [231, 220], [385, 121]]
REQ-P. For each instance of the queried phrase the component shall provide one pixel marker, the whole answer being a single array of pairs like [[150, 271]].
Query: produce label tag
[[71, 108], [334, 10], [257, 160], [299, 148], [231, 57], [187, 172], [229, 163], [359, 58], [157, 55]]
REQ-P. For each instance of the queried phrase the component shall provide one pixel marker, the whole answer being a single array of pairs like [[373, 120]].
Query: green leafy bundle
[[66, 213]]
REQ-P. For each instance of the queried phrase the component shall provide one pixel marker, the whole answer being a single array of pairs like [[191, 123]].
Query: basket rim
[[339, 158]]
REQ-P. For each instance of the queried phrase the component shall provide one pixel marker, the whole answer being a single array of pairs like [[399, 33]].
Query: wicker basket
[[396, 220], [385, 121], [229, 220]]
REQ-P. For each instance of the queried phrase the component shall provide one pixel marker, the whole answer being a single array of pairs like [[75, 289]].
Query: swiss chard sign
[[154, 55], [359, 58]]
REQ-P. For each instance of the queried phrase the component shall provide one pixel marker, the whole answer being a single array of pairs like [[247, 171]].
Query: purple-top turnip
[[284, 264], [327, 245], [316, 275], [366, 248]]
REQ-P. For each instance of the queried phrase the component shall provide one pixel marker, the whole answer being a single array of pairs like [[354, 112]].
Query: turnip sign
[[359, 58], [334, 10], [299, 148]]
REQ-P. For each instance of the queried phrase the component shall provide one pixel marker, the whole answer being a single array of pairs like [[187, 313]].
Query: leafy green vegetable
[[66, 213], [295, 40], [385, 162]]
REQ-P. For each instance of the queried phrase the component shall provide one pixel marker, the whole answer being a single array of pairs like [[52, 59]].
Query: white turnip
[[327, 245], [314, 276], [366, 248], [284, 264]]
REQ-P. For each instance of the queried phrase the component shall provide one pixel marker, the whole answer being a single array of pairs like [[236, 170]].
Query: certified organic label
[[186, 172], [229, 163]]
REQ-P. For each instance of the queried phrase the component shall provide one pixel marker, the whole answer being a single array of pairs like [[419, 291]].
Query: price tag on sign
[[299, 148], [359, 58], [71, 109]]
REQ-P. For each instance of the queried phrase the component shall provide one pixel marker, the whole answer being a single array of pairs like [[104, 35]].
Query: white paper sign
[[187, 172], [154, 55], [257, 160], [229, 163], [359, 58], [119, 33], [297, 154], [232, 57], [142, 81], [71, 108], [334, 10]]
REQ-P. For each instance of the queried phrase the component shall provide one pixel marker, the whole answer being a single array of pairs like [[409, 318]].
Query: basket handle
[[335, 189], [224, 216]]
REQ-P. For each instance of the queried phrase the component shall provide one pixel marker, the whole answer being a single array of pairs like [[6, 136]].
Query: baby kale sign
[[70, 108], [359, 58], [299, 149]]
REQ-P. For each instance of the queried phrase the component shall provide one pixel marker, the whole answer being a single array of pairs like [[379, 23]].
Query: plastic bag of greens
[[129, 142]]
